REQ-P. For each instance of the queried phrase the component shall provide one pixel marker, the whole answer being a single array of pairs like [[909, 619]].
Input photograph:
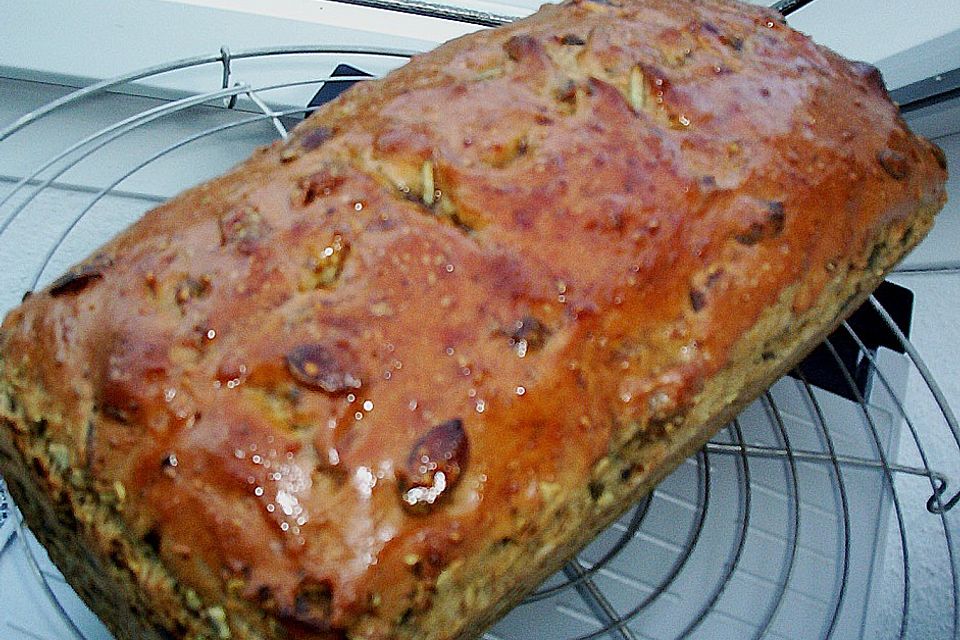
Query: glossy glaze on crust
[[312, 386]]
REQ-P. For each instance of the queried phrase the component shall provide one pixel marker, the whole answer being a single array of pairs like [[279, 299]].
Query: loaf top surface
[[370, 350]]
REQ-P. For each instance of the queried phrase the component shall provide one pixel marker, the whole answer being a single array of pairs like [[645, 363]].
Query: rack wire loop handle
[[936, 503]]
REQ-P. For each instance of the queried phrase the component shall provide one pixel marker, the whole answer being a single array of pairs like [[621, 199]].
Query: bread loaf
[[383, 378]]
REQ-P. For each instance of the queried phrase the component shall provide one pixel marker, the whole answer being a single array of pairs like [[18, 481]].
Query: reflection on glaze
[[364, 481], [429, 494]]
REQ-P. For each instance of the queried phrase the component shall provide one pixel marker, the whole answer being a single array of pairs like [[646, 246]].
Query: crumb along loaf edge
[[381, 379]]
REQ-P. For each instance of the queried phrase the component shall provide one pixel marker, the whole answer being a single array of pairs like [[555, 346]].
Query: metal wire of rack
[[735, 519], [4, 506]]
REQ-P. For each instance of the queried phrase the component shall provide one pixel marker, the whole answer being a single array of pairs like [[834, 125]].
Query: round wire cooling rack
[[815, 514]]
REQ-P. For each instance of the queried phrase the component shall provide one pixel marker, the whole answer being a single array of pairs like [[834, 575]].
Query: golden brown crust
[[378, 381]]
